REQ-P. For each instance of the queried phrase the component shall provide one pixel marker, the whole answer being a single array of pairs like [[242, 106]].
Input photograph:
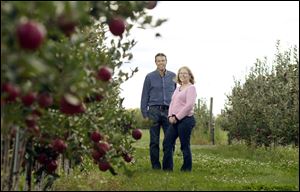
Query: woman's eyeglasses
[[183, 73]]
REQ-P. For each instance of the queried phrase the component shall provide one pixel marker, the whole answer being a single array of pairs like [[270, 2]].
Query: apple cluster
[[35, 102], [12, 92], [100, 148], [47, 155]]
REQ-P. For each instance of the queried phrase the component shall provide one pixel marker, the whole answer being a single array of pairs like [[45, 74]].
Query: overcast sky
[[219, 41]]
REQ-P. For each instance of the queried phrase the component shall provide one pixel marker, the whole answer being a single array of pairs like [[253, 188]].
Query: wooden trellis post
[[211, 123]]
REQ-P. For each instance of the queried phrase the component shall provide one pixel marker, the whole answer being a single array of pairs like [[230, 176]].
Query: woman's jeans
[[183, 130], [159, 116]]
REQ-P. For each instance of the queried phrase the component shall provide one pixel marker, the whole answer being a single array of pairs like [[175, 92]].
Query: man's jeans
[[183, 130], [159, 116]]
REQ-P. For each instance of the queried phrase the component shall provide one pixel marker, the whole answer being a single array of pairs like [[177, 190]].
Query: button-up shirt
[[157, 90]]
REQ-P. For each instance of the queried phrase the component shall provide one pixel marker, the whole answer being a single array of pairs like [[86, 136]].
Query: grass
[[219, 167], [199, 137]]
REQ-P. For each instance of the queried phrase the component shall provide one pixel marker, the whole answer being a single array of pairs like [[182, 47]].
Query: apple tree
[[60, 85], [264, 110]]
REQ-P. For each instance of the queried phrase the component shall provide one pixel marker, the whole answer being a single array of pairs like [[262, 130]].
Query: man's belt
[[160, 107]]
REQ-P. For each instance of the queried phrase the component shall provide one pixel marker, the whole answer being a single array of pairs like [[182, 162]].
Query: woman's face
[[184, 76]]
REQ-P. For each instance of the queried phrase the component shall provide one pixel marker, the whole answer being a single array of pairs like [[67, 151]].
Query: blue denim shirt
[[157, 90]]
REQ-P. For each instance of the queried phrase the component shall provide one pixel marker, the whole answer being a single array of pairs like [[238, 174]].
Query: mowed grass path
[[220, 167]]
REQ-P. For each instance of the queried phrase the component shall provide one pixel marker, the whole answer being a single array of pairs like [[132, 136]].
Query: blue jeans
[[160, 118], [183, 130]]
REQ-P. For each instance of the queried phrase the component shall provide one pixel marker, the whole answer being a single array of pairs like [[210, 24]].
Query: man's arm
[[145, 97]]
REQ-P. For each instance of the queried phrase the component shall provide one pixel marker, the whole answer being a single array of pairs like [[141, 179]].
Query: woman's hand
[[172, 120]]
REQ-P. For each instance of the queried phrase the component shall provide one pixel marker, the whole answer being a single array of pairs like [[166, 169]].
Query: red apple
[[59, 145], [127, 157], [45, 100], [137, 134], [31, 35], [151, 4], [51, 166], [104, 165], [104, 73], [71, 105], [42, 158], [96, 136], [66, 24], [97, 155], [117, 26], [11, 91], [29, 98], [103, 147]]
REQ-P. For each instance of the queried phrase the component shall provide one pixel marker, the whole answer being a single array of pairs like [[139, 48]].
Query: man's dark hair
[[160, 54]]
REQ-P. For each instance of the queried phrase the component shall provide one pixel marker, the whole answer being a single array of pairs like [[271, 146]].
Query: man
[[158, 88]]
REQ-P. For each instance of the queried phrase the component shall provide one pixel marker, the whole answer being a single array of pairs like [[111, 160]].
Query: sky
[[218, 41]]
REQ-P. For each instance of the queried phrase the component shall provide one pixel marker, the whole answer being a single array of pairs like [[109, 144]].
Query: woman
[[182, 121]]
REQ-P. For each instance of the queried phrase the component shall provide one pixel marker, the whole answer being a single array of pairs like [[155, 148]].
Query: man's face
[[161, 63]]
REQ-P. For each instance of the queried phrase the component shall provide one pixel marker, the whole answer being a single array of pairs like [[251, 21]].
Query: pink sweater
[[182, 103]]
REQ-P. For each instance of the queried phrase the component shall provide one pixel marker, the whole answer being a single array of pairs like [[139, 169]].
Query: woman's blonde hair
[[192, 79]]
